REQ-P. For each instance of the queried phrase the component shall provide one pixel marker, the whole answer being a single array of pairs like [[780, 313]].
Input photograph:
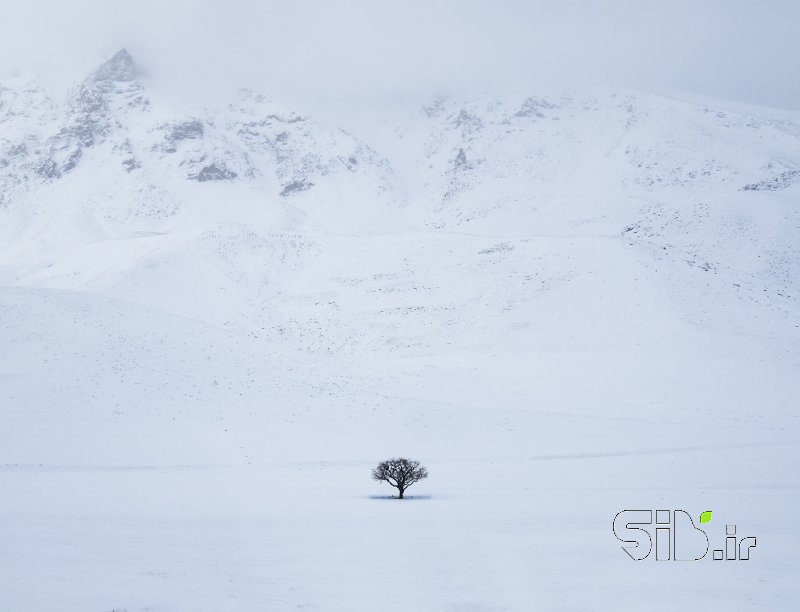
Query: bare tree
[[400, 473]]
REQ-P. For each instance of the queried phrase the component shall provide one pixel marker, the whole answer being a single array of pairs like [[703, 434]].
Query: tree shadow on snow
[[394, 497]]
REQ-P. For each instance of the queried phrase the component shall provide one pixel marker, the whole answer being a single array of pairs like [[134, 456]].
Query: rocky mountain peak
[[120, 67]]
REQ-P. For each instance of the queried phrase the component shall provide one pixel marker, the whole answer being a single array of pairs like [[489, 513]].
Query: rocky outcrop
[[93, 112], [216, 171]]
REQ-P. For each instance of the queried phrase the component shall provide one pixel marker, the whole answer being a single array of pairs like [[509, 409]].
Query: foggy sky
[[331, 51]]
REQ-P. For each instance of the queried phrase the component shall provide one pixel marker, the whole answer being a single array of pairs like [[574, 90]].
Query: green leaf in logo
[[705, 517]]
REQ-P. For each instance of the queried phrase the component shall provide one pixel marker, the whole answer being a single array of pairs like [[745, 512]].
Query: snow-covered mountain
[[583, 294]]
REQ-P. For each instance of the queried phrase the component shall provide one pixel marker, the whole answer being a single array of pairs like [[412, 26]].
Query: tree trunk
[[401, 492]]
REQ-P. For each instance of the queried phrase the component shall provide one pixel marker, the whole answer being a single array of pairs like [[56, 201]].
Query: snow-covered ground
[[215, 322]]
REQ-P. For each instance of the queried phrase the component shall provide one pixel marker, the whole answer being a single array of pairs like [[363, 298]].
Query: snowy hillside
[[215, 320]]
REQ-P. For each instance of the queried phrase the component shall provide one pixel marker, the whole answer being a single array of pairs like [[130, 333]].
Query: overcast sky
[[330, 50]]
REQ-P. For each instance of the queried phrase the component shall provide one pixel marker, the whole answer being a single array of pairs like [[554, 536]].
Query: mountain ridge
[[115, 176]]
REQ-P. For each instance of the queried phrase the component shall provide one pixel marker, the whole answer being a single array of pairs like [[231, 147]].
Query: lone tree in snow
[[400, 473]]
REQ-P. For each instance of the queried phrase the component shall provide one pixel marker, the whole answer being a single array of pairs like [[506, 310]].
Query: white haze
[[357, 53]]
